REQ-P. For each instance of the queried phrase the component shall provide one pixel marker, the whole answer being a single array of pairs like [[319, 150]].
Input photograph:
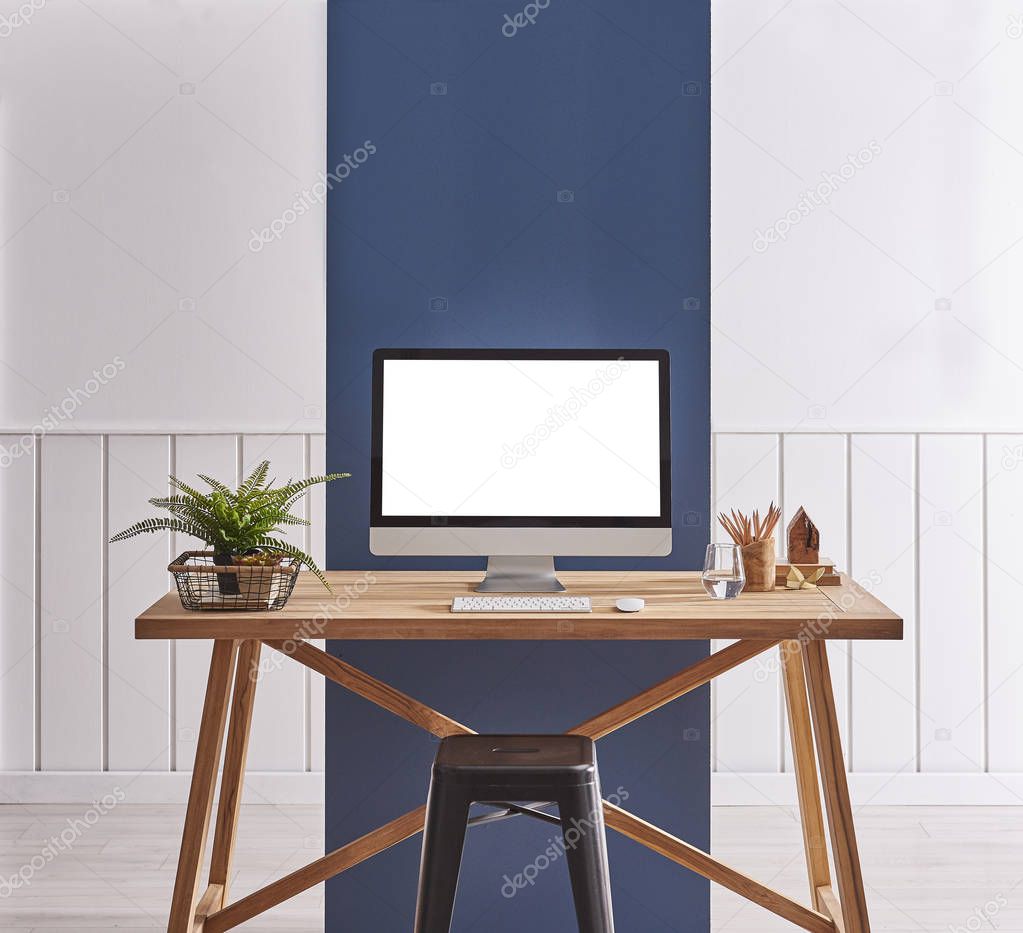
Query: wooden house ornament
[[804, 540]]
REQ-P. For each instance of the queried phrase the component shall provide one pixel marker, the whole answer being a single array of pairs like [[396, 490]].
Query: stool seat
[[558, 760], [508, 770]]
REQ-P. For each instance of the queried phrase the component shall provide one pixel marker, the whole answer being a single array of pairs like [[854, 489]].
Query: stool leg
[[446, 816], [582, 824]]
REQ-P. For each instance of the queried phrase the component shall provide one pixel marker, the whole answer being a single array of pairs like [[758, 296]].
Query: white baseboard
[[901, 789], [727, 789]]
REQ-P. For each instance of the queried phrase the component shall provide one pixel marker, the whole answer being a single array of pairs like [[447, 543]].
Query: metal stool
[[506, 770]]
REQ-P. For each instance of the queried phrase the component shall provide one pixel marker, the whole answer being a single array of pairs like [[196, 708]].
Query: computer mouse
[[630, 604]]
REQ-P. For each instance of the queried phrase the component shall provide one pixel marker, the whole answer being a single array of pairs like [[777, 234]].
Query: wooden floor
[[928, 869]]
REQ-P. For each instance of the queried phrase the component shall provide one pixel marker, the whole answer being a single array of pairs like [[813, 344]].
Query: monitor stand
[[520, 575]]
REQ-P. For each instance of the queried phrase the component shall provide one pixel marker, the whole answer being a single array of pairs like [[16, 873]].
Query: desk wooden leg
[[836, 790], [204, 779], [235, 754], [804, 764]]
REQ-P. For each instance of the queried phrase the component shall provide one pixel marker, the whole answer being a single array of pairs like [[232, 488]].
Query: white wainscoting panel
[[1004, 685], [951, 524], [883, 682], [138, 672], [747, 700], [72, 645], [19, 712]]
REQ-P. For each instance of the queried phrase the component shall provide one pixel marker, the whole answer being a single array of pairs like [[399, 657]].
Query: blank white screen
[[521, 437]]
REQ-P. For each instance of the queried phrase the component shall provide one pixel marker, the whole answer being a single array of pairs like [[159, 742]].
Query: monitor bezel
[[377, 519]]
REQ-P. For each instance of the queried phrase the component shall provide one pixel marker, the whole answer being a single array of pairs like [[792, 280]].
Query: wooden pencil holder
[[759, 559]]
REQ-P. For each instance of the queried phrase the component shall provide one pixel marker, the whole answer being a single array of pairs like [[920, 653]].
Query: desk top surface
[[416, 605]]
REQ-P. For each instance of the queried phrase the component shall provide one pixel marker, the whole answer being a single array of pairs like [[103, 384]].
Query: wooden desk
[[402, 605]]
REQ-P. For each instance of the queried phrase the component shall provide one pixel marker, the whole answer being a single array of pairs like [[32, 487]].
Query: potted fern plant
[[243, 528]]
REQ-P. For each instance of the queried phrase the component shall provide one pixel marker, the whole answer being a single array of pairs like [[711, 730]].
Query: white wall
[[141, 141], [868, 365]]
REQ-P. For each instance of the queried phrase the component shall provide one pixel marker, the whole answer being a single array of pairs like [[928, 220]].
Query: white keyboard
[[521, 604]]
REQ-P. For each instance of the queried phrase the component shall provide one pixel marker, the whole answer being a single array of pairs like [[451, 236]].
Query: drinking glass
[[723, 573]]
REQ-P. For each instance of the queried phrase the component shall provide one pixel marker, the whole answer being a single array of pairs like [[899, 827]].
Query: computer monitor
[[521, 455]]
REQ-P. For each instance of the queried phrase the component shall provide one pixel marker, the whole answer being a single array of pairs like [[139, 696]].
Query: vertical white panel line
[[37, 600], [172, 645], [104, 601], [849, 645], [782, 715], [307, 687], [916, 596], [985, 604], [710, 537], [239, 458]]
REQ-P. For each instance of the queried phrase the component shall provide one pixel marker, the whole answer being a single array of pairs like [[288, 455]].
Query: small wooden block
[[831, 576]]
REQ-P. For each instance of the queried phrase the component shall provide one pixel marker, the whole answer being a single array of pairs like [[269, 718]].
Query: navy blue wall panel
[[538, 181]]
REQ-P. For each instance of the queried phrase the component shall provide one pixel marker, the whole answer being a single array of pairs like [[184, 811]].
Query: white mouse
[[630, 604]]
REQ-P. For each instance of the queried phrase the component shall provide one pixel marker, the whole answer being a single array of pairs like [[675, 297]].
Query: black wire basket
[[204, 584]]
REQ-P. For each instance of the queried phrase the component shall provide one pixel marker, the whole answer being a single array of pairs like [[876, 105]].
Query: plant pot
[[759, 560], [226, 582]]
